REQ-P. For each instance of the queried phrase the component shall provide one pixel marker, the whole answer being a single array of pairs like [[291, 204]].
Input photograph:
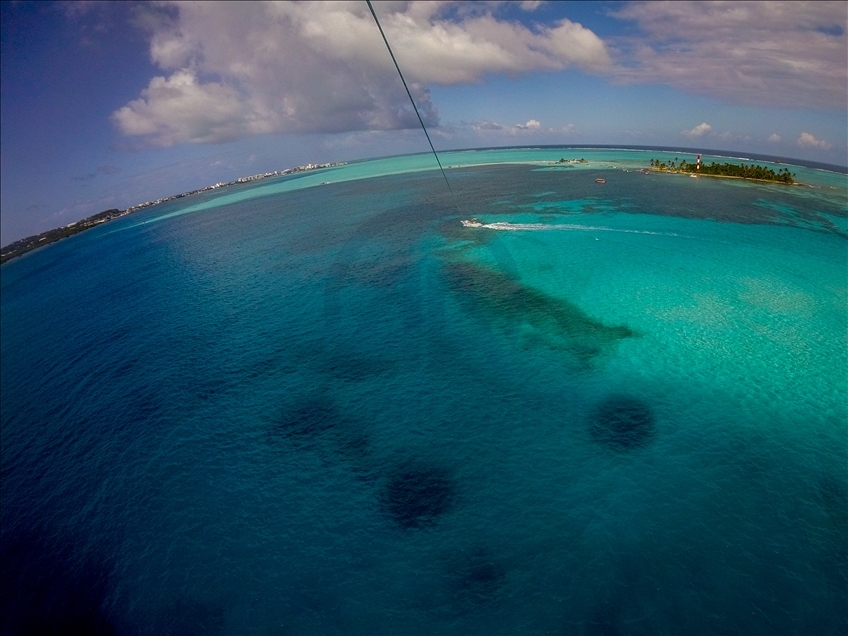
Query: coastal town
[[24, 245]]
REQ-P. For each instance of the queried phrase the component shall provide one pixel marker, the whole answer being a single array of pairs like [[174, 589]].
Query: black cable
[[414, 107]]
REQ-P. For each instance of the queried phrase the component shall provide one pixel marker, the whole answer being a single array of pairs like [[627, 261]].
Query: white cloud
[[530, 125], [492, 130], [774, 138], [179, 109], [809, 141], [698, 131], [786, 54], [731, 136], [236, 70], [487, 125], [230, 71]]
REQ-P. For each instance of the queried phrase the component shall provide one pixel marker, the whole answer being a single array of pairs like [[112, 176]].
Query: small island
[[728, 170]]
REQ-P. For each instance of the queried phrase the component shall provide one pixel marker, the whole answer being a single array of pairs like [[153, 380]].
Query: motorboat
[[471, 223]]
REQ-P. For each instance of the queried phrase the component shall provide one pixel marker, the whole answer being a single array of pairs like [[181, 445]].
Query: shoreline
[[31, 243], [727, 176], [37, 241]]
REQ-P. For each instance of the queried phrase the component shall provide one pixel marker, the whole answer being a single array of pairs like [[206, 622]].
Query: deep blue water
[[618, 409]]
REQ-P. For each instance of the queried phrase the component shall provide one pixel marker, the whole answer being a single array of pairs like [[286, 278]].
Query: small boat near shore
[[600, 180], [471, 223]]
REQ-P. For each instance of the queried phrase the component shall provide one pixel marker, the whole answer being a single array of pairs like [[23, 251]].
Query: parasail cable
[[414, 107]]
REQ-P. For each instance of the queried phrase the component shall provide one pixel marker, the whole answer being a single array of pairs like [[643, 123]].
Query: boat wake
[[567, 227]]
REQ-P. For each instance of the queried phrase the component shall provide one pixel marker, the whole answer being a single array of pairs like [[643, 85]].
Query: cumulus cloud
[[179, 109], [774, 138], [809, 141], [698, 131], [530, 125], [229, 71], [235, 70], [487, 125], [786, 54], [731, 136], [494, 130]]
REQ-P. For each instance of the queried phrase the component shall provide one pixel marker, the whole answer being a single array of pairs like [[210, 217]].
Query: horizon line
[[725, 154]]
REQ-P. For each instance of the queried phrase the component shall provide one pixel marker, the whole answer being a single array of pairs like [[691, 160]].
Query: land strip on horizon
[[24, 245]]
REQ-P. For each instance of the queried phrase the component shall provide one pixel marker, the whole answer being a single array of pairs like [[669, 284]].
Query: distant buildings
[[26, 244]]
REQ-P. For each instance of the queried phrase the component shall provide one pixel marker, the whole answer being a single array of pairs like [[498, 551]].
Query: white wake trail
[[536, 227]]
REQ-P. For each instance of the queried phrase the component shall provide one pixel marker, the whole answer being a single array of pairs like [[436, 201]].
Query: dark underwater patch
[[374, 270], [47, 588], [353, 444], [309, 604], [353, 447], [604, 621], [476, 578], [307, 420], [558, 323], [832, 495], [344, 366], [190, 617], [415, 497], [339, 361], [265, 367], [623, 422], [142, 407], [319, 423]]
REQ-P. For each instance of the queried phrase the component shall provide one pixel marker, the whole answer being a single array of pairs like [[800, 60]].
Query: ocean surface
[[319, 404]]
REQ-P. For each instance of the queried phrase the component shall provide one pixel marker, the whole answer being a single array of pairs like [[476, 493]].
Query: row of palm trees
[[726, 170]]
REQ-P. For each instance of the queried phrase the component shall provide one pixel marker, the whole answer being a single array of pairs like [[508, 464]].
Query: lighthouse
[[698, 166]]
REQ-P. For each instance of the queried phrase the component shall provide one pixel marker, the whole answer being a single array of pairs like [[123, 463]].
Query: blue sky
[[112, 104]]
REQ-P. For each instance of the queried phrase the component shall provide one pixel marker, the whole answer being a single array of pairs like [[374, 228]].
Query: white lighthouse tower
[[698, 166]]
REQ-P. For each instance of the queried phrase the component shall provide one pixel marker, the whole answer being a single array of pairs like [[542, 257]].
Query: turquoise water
[[321, 405]]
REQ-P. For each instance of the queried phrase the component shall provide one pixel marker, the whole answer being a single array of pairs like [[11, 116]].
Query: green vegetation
[[743, 171], [51, 236]]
